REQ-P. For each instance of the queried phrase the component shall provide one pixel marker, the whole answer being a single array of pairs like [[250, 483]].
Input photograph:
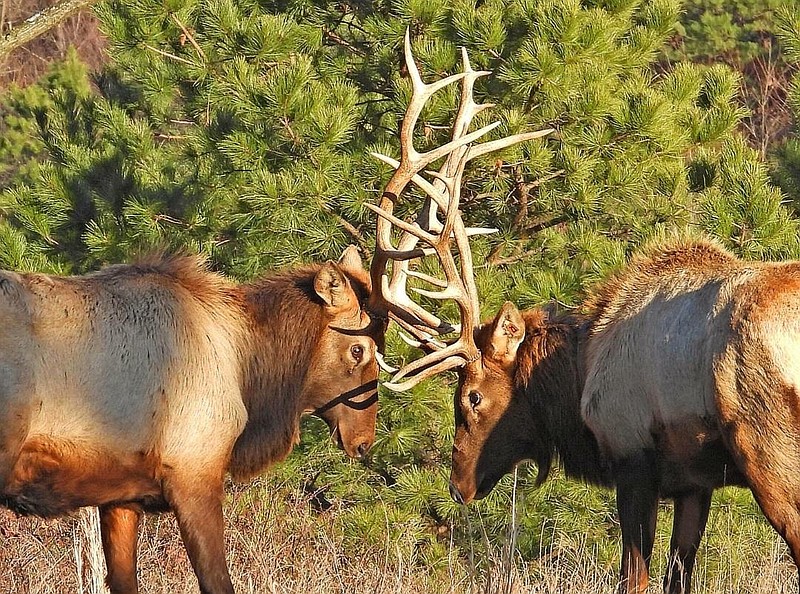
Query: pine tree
[[786, 160], [742, 34], [21, 150]]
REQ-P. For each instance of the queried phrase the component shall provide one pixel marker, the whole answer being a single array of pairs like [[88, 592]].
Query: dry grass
[[272, 549], [279, 545]]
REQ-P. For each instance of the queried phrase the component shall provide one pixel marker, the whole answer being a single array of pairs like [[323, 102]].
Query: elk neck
[[285, 321], [550, 375]]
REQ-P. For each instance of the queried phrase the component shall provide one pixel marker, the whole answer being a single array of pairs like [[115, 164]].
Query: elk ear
[[508, 332], [351, 259], [333, 287]]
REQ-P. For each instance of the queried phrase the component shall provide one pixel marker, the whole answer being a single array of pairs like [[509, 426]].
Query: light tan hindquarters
[[651, 369], [123, 366], [659, 327], [18, 356], [758, 395]]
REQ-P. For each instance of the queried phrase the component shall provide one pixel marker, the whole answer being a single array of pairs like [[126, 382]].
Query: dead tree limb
[[39, 23]]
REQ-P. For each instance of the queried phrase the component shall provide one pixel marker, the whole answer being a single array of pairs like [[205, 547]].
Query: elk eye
[[475, 398], [357, 351]]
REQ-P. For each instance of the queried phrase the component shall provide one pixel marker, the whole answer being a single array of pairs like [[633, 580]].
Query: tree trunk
[[38, 24]]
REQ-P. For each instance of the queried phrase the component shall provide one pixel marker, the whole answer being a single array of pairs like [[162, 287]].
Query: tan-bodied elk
[[136, 388], [680, 375]]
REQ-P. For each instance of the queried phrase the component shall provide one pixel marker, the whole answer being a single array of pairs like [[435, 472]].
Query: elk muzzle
[[351, 418], [463, 479]]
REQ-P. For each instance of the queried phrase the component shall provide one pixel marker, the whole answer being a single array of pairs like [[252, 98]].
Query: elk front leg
[[197, 503], [119, 529], [691, 515], [637, 503]]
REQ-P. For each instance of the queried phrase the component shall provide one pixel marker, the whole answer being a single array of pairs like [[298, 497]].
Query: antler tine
[[449, 363], [389, 296], [391, 299], [455, 148]]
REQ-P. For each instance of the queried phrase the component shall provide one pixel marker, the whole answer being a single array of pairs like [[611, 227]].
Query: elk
[[677, 377], [136, 388]]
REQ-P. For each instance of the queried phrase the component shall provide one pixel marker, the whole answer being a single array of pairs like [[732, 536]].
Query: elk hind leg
[[691, 515], [119, 530], [768, 453], [778, 501], [197, 503]]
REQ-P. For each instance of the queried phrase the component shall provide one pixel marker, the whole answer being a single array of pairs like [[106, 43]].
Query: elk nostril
[[456, 494]]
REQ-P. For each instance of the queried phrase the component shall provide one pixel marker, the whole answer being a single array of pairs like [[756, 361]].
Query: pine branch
[[338, 40], [543, 223], [520, 226], [497, 261], [38, 24], [189, 37], [357, 236], [522, 190]]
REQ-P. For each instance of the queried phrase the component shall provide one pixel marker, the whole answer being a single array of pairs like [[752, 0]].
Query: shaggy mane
[[550, 373], [286, 318], [189, 270]]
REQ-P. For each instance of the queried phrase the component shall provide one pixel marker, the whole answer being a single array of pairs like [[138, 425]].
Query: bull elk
[[136, 388], [679, 377]]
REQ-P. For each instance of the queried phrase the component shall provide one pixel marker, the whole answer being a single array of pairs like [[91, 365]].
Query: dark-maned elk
[[136, 388], [682, 375]]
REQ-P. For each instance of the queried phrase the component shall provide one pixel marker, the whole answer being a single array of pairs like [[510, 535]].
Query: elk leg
[[767, 452], [778, 500], [691, 515], [197, 503], [637, 503], [119, 529]]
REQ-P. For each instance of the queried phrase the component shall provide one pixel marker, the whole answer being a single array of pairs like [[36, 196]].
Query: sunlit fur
[[279, 308], [680, 376], [137, 387]]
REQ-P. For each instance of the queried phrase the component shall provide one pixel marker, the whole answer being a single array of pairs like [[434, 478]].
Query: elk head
[[483, 355], [344, 393], [497, 423]]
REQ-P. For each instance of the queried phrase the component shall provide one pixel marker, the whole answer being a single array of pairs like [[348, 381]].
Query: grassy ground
[[279, 544]]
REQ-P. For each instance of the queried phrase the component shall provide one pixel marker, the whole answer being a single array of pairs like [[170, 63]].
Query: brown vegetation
[[277, 545], [282, 546], [29, 62]]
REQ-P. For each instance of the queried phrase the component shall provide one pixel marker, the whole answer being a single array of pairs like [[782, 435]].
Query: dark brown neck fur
[[550, 374], [285, 318]]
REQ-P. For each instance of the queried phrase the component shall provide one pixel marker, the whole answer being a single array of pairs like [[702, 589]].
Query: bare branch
[[39, 23]]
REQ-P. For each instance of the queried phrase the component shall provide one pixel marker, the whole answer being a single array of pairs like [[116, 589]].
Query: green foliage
[[19, 145], [786, 159], [742, 34], [737, 31]]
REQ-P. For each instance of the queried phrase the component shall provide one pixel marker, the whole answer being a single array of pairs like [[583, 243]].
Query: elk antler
[[389, 297]]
